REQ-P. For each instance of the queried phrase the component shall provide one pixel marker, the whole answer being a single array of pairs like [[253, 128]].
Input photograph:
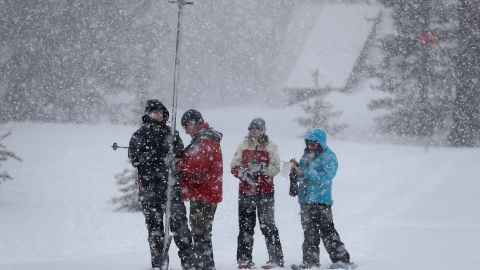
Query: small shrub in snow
[[128, 201], [4, 156], [319, 112]]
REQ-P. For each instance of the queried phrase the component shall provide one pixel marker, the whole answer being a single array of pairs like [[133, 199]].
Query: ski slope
[[396, 206]]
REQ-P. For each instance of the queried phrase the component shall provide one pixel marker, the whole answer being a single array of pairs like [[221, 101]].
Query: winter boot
[[271, 265], [343, 265], [306, 266], [247, 265]]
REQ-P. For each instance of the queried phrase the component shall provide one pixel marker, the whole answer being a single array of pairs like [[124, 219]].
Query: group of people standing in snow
[[198, 171]]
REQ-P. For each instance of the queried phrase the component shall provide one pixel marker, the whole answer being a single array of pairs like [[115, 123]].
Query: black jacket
[[148, 147]]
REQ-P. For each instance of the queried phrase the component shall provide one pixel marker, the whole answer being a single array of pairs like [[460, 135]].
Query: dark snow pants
[[248, 206], [182, 236], [201, 221], [317, 223]]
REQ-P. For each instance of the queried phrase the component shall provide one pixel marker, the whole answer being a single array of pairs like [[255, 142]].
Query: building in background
[[326, 41]]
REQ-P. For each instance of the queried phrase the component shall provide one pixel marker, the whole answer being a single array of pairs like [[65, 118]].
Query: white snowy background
[[396, 206]]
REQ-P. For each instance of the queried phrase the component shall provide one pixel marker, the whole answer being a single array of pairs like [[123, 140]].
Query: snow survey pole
[[171, 155]]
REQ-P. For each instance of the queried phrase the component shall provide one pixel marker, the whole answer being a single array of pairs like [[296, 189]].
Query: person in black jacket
[[148, 152]]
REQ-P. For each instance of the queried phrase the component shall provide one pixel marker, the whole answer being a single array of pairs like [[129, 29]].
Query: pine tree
[[416, 76], [128, 201], [127, 181], [466, 116], [319, 112], [4, 156], [59, 59]]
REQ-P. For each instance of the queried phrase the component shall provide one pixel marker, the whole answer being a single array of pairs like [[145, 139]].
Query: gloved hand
[[257, 168], [171, 162], [144, 158], [241, 172], [245, 176], [295, 169]]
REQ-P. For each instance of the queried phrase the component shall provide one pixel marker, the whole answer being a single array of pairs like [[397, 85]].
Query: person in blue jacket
[[311, 179]]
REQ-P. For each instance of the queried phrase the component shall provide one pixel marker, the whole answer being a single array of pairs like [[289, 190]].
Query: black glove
[[144, 158], [293, 191]]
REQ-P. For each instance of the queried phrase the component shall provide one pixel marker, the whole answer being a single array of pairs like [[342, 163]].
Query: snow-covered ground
[[396, 207]]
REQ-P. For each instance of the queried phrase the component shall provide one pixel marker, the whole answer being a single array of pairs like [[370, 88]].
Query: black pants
[[201, 221], [182, 236], [248, 207], [317, 223]]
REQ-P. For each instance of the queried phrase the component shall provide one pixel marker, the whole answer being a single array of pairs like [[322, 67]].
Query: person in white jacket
[[255, 163]]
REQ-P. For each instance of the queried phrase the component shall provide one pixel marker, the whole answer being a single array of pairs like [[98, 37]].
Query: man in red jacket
[[201, 172]]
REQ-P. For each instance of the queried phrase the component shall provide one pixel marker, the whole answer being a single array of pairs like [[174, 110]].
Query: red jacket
[[265, 153], [201, 167]]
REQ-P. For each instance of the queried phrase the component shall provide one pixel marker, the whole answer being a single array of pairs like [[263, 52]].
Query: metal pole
[[171, 177]]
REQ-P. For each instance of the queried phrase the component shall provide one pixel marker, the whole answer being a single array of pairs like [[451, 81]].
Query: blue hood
[[318, 135]]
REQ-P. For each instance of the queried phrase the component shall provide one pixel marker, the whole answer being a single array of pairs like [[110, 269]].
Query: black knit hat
[[156, 105], [258, 124], [191, 116]]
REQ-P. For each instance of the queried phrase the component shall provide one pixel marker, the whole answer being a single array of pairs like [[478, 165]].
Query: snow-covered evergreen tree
[[416, 75], [466, 114], [126, 180], [319, 112], [128, 201], [4, 156], [59, 59]]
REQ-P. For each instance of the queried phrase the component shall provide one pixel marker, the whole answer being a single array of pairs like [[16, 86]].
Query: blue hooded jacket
[[316, 185]]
